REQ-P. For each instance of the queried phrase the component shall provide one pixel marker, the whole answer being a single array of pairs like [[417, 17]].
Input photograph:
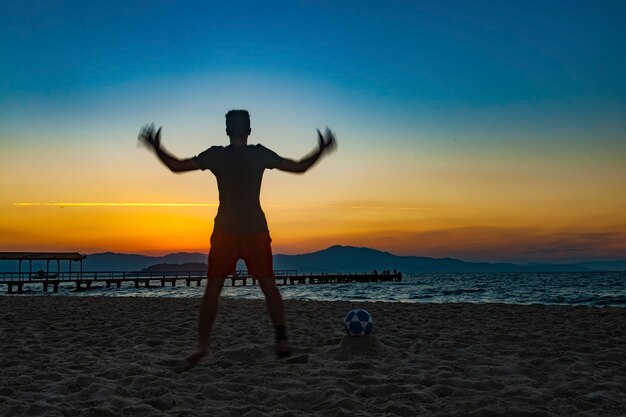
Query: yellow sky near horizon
[[478, 203]]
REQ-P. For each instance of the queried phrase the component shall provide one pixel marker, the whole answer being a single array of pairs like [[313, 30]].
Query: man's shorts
[[254, 249]]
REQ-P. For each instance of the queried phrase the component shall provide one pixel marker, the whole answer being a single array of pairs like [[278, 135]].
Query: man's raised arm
[[152, 140], [326, 142]]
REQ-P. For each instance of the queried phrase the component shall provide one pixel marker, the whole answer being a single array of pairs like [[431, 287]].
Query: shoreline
[[93, 294], [99, 356], [601, 290]]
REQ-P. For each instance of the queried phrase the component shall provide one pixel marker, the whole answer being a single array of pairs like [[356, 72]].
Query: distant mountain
[[109, 261], [332, 259], [353, 259], [186, 267], [605, 265]]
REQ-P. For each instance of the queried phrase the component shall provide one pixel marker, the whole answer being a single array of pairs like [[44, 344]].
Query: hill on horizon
[[362, 259], [332, 259]]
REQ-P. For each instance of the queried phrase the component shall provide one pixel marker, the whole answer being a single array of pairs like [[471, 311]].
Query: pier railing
[[85, 279], [72, 276]]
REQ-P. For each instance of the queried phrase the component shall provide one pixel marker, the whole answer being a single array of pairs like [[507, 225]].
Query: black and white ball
[[359, 322]]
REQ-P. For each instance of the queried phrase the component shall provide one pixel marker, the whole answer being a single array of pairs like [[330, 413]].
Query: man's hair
[[238, 122]]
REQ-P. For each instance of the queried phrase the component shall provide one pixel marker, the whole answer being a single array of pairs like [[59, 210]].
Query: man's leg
[[208, 309], [222, 262], [276, 310], [273, 300], [208, 312], [257, 252]]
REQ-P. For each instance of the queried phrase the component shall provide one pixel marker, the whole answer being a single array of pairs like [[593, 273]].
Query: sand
[[96, 356]]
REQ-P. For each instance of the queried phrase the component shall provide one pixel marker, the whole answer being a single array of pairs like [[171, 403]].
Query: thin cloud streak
[[103, 204], [100, 204], [392, 208]]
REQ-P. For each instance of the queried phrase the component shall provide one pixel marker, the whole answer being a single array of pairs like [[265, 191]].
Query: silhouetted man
[[240, 229]]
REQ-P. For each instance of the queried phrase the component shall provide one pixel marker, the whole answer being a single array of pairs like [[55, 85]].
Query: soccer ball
[[359, 322]]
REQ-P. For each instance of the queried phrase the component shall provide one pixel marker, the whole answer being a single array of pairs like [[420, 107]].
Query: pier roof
[[41, 256]]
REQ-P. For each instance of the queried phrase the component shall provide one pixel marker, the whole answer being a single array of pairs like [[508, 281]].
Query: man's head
[[238, 124]]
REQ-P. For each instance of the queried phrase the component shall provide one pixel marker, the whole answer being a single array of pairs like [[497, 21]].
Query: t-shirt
[[239, 171]]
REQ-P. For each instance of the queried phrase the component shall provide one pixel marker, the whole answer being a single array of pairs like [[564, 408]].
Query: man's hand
[[149, 138], [327, 142]]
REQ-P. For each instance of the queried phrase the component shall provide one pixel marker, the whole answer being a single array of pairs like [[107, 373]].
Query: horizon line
[[514, 262], [523, 263]]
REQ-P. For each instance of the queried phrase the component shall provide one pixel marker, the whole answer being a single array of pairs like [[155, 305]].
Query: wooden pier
[[83, 280], [15, 281]]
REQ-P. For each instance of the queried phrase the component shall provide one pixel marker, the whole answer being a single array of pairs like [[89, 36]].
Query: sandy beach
[[96, 356]]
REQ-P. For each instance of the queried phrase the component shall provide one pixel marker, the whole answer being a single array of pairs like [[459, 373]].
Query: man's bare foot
[[195, 357], [282, 349]]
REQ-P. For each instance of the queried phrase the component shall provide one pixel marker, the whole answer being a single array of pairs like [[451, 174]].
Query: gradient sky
[[475, 130]]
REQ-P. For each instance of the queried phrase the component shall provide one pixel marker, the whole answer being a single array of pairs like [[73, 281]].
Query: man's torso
[[239, 173]]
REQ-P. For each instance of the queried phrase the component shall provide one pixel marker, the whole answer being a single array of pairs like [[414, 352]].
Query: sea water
[[581, 288]]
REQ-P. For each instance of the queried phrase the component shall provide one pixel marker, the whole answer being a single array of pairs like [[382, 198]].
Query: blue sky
[[453, 53]]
